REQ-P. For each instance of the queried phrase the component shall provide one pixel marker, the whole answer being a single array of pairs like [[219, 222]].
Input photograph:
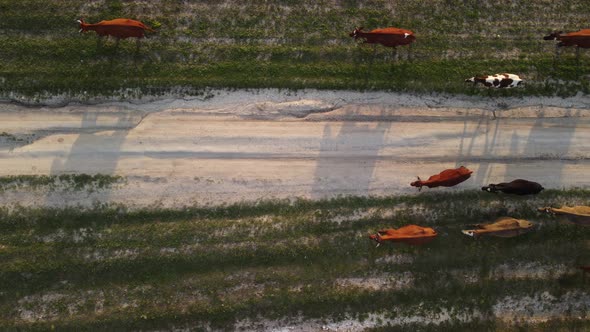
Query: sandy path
[[235, 146]]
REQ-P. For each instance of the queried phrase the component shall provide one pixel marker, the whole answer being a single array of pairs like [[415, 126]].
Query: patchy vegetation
[[280, 263], [286, 44], [64, 181]]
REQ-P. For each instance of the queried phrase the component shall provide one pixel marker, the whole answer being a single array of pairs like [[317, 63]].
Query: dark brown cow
[[389, 37], [516, 187], [579, 39], [119, 28], [446, 178]]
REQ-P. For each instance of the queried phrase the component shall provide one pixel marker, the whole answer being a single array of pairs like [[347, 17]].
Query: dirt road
[[251, 145]]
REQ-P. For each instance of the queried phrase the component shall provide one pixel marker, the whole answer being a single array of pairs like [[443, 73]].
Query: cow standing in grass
[[497, 81], [516, 187], [119, 28], [579, 39], [388, 37]]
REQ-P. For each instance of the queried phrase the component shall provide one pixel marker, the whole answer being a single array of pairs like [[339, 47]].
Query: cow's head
[[491, 188], [469, 232], [355, 32], [376, 238], [553, 35], [82, 25], [525, 224], [417, 183], [470, 80], [546, 209]]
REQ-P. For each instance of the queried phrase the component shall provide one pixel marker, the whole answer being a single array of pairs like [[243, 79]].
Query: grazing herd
[[501, 227], [122, 28], [412, 234], [504, 226], [393, 37]]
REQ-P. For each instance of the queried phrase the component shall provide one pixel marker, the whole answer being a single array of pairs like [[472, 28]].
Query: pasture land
[[286, 44], [299, 264]]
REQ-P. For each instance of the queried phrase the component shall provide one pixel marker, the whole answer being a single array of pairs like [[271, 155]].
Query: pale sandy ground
[[231, 146]]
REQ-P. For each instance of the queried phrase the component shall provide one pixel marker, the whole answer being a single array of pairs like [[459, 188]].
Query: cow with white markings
[[497, 81]]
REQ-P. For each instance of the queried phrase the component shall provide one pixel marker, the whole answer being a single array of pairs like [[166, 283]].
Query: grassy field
[[287, 262], [286, 44]]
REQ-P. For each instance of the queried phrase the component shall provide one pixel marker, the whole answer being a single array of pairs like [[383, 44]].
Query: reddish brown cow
[[446, 178], [119, 28], [579, 39], [389, 37]]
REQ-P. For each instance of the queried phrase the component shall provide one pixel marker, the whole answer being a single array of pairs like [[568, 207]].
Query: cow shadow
[[467, 146], [531, 145], [526, 146], [95, 151], [339, 170]]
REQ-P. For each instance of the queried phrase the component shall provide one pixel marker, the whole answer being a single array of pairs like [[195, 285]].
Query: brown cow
[[579, 39], [389, 37], [501, 227], [579, 215], [119, 28], [516, 187], [410, 234], [446, 178]]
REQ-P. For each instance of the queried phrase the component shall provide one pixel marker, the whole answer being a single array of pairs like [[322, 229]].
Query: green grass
[[285, 44], [110, 268]]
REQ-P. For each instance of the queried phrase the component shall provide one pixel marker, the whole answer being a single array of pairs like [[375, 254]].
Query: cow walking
[[579, 39], [388, 37], [516, 187], [497, 81], [119, 28], [446, 178]]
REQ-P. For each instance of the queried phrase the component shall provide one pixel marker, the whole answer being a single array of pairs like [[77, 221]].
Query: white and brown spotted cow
[[497, 81]]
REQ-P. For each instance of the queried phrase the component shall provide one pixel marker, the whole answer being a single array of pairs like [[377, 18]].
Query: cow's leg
[[395, 55], [577, 55], [98, 42], [373, 56], [410, 50]]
